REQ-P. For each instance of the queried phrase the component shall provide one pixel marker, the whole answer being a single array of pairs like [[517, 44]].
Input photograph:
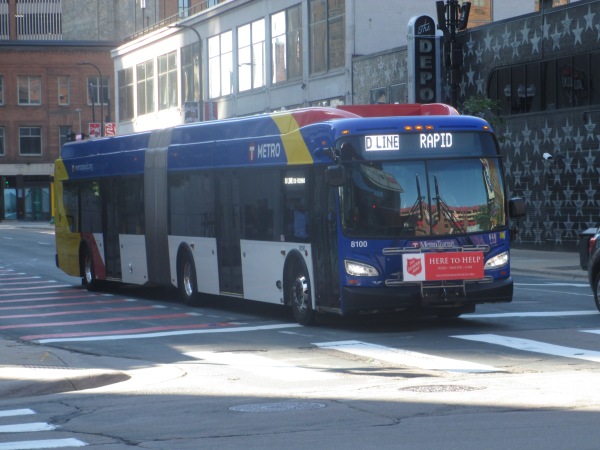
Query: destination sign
[[383, 142], [435, 140]]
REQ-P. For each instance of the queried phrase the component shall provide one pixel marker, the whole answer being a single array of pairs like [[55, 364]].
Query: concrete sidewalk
[[28, 369], [547, 264]]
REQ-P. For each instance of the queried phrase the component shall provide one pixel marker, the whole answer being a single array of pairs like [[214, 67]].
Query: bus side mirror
[[516, 207], [335, 175]]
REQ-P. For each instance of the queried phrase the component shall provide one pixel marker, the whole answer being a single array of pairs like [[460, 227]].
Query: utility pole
[[452, 18]]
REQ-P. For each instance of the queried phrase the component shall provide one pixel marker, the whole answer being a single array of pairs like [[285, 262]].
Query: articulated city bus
[[344, 210]]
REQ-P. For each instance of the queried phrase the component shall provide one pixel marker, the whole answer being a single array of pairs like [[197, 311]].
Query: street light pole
[[201, 95], [78, 110], [83, 63], [452, 17]]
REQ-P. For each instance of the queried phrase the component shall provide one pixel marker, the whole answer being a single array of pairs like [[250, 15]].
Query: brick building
[[45, 91], [44, 95]]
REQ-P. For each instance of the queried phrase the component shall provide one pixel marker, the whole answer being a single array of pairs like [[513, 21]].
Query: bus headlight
[[357, 269], [497, 261]]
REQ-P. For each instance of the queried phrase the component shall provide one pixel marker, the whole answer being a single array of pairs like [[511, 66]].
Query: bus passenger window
[[297, 207], [71, 204]]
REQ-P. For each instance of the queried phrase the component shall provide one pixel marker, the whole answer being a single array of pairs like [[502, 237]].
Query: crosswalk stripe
[[26, 427], [259, 365], [533, 314], [529, 345], [42, 444], [16, 412], [407, 358]]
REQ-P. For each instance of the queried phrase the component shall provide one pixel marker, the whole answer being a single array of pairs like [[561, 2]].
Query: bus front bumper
[[410, 297]]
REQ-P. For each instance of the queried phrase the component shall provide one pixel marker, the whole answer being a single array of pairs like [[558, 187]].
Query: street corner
[[29, 381]]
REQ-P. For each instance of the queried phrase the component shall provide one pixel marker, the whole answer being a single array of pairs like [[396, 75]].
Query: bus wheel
[[89, 280], [299, 295], [186, 281]]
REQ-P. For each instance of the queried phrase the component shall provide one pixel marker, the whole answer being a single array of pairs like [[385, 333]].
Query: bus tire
[[186, 280], [298, 289], [88, 273]]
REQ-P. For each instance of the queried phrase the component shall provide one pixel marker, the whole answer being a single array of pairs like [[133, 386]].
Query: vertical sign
[[110, 129], [94, 130], [423, 65], [210, 111], [191, 112]]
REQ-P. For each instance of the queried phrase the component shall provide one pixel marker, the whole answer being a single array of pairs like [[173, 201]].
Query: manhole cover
[[441, 388], [278, 407]]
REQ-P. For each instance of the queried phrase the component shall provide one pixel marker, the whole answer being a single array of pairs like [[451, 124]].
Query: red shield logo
[[414, 266]]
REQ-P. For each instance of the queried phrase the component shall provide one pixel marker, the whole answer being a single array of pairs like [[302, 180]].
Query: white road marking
[[260, 365], [407, 358], [42, 444], [528, 345], [581, 285], [16, 412], [168, 333], [533, 314], [26, 427]]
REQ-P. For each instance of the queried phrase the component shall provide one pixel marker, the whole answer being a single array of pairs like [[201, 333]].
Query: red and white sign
[[443, 266], [110, 129], [94, 130]]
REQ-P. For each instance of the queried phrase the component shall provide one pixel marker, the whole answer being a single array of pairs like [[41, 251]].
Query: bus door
[[324, 241], [228, 232], [111, 230]]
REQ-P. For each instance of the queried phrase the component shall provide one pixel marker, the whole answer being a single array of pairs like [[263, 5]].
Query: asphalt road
[[234, 374]]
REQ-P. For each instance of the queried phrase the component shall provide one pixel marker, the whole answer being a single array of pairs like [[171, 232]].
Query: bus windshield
[[423, 198]]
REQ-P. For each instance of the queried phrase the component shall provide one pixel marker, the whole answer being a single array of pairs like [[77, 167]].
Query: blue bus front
[[423, 217]]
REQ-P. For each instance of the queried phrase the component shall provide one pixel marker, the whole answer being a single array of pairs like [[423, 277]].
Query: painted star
[[515, 47], [566, 23], [526, 133], [590, 192], [589, 19], [506, 38], [589, 127], [556, 38], [535, 43], [568, 129], [545, 28], [525, 33], [546, 131], [470, 45], [577, 33]]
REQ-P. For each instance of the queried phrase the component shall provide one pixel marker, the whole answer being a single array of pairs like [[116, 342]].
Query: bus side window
[[297, 208], [71, 203]]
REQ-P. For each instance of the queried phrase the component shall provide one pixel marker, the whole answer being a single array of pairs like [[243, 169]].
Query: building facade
[[56, 78], [244, 57], [543, 69]]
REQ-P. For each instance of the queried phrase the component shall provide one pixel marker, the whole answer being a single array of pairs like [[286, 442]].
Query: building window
[[125, 82], [95, 96], [145, 87], [327, 35], [190, 75], [30, 90], [4, 20], [286, 44], [2, 141], [220, 65], [167, 81], [183, 6], [63, 132], [30, 141], [251, 55], [1, 90], [548, 85], [64, 90]]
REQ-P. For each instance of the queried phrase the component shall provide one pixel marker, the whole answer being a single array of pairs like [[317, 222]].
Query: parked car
[[593, 266]]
